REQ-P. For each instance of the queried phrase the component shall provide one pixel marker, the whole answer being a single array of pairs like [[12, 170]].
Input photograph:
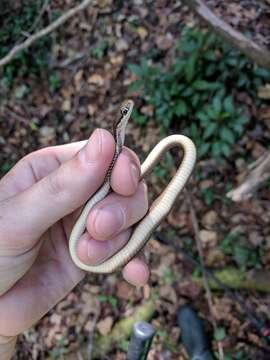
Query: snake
[[161, 207]]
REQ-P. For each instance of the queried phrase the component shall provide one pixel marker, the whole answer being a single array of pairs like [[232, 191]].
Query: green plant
[[108, 299], [168, 276], [208, 195], [123, 345], [55, 82], [60, 349], [100, 51], [235, 245], [197, 93]]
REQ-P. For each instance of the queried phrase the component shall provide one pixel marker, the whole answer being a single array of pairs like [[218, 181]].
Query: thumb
[[29, 214]]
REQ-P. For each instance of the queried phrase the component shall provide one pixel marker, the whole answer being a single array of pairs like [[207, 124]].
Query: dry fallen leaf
[[96, 79], [124, 290], [208, 237], [104, 326], [214, 257], [264, 92], [142, 32], [121, 45], [164, 42], [66, 105], [210, 219], [47, 134]]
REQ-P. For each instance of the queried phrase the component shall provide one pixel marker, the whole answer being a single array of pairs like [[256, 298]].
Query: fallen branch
[[234, 279], [257, 53], [91, 333], [47, 30], [259, 174]]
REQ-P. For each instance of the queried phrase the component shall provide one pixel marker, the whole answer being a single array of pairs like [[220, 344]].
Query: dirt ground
[[81, 89]]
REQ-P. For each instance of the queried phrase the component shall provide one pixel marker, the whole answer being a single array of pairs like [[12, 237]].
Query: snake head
[[119, 126]]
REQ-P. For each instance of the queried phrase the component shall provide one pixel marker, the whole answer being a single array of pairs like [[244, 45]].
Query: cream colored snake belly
[[159, 210]]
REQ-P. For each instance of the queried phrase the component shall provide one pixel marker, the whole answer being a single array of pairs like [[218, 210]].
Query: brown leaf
[[255, 238], [164, 42], [96, 79], [210, 219], [124, 290], [214, 257], [66, 105], [264, 92], [208, 237], [121, 45], [104, 326], [77, 79], [47, 134], [142, 32], [117, 59], [167, 292]]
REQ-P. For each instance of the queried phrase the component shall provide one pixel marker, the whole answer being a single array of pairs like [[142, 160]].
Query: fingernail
[[133, 282], [135, 173], [108, 220], [92, 150]]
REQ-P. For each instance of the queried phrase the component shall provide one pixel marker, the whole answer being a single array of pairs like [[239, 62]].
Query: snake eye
[[124, 110]]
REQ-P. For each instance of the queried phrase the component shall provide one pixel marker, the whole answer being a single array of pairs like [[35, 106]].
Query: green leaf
[[193, 130], [217, 105], [203, 149], [205, 85], [202, 116], [181, 108], [136, 85], [228, 104], [21, 91], [216, 149], [136, 69], [210, 130], [227, 135], [220, 334], [226, 150], [190, 68]]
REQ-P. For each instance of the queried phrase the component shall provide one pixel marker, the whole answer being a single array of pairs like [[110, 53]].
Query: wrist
[[7, 347]]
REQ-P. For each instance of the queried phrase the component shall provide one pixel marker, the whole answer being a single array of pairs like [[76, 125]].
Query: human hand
[[39, 201]]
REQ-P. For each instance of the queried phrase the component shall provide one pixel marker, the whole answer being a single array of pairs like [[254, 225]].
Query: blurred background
[[184, 78]]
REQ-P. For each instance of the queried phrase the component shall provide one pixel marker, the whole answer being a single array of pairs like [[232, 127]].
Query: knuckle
[[55, 184]]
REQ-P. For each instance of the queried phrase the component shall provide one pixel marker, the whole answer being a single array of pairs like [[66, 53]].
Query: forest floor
[[74, 82]]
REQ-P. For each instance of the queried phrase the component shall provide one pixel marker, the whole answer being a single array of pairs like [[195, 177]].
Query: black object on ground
[[193, 334]]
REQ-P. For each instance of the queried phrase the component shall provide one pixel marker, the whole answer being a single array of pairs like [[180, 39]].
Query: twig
[[259, 174], [257, 53], [48, 29], [91, 332], [196, 229]]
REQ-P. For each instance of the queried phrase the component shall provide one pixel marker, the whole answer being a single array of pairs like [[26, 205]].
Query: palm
[[49, 279]]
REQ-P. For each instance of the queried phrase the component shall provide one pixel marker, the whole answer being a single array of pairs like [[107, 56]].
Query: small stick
[[91, 332], [196, 230]]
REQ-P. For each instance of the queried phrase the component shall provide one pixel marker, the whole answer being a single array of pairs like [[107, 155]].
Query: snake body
[[158, 211]]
